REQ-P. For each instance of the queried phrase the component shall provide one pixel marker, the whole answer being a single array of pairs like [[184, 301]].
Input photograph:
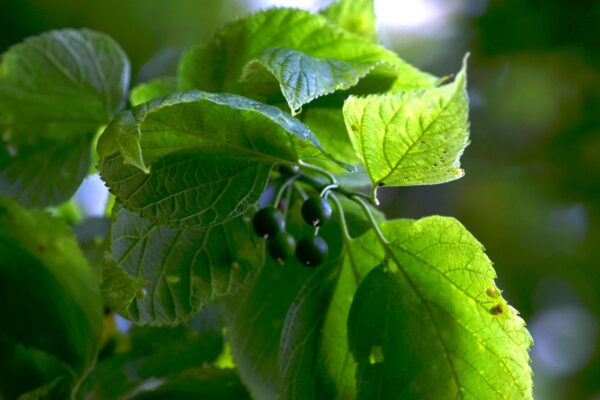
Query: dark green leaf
[[205, 383], [199, 159], [47, 286], [150, 354], [184, 270], [29, 373], [56, 90]]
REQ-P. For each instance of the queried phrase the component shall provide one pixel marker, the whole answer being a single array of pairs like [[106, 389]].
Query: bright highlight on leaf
[[356, 16], [411, 138], [427, 308], [293, 45]]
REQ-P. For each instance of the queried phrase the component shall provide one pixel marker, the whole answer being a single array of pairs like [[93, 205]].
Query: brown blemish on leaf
[[492, 292], [496, 310]]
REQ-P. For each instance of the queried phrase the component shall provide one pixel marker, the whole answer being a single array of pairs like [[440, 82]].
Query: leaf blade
[[220, 146], [56, 90], [442, 321], [411, 138], [48, 286], [184, 270]]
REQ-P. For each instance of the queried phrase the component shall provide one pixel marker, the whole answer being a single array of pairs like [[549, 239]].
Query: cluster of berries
[[269, 223]]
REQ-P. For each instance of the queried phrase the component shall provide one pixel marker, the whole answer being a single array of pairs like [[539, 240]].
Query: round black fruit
[[267, 222], [281, 246], [311, 251], [316, 211]]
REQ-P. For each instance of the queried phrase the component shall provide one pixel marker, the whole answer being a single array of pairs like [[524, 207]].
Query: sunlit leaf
[[431, 312], [308, 55], [357, 16], [411, 138]]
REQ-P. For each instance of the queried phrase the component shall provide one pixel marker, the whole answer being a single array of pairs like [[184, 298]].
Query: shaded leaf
[[56, 90], [149, 354], [184, 270], [328, 125], [205, 383], [28, 373], [47, 286]]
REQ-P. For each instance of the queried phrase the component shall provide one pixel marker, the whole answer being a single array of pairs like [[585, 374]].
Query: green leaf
[[199, 383], [303, 78], [335, 358], [319, 49], [411, 138], [199, 159], [301, 334], [255, 318], [46, 173], [165, 352], [152, 90], [274, 325], [119, 288], [328, 125], [47, 286], [431, 312], [184, 270], [27, 372], [150, 354], [56, 90], [357, 16]]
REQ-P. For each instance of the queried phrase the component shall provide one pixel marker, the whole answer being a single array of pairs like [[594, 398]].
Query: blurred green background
[[531, 193]]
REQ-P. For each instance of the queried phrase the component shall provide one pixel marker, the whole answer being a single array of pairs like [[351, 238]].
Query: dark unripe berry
[[281, 246], [316, 211], [267, 222], [311, 251]]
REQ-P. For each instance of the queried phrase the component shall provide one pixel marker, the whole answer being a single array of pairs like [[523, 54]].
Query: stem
[[282, 189], [319, 170], [290, 190], [301, 192], [326, 189], [373, 198], [320, 187], [374, 224], [340, 211]]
